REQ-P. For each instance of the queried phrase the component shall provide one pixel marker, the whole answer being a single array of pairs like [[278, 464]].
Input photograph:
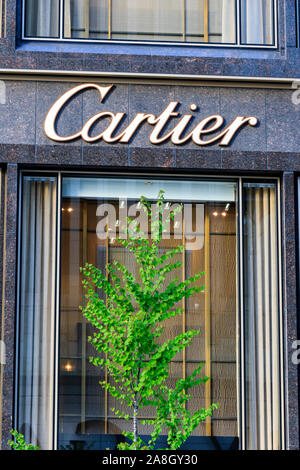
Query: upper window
[[233, 22]]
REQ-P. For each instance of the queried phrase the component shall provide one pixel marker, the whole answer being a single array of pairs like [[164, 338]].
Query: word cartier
[[206, 127]]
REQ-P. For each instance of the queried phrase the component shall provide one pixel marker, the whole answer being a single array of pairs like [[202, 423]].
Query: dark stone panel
[[50, 61], [7, 425], [11, 61], [282, 117], [266, 64], [245, 102], [152, 100], [198, 158], [290, 18], [18, 153], [207, 100], [290, 281], [292, 381], [12, 195], [290, 303], [289, 298], [8, 375], [282, 24], [7, 48], [289, 197], [250, 67], [197, 65], [10, 254], [10, 18], [18, 127], [2, 211], [167, 64], [141, 63], [283, 161], [151, 158], [59, 154], [2, 204], [105, 155], [9, 302], [107, 62], [243, 160]]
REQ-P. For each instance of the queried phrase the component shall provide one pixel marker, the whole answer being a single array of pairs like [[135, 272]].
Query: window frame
[[238, 43], [297, 23], [240, 340]]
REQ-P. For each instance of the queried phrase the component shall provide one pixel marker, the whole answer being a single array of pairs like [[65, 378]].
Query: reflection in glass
[[212, 21], [148, 19], [152, 20], [193, 21], [92, 213]]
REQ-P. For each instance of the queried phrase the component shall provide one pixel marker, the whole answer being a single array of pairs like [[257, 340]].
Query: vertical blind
[[262, 339], [37, 311], [199, 21]]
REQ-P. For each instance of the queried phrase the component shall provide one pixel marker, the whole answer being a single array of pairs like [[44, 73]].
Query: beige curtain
[[228, 21], [42, 18], [262, 344], [86, 19], [37, 311], [77, 18], [257, 21]]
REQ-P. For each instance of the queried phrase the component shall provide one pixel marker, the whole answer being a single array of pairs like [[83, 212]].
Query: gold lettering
[[105, 135], [161, 121], [50, 121], [130, 130], [207, 126], [232, 129], [201, 129]]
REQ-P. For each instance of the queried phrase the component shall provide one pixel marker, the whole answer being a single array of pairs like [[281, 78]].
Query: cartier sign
[[209, 130]]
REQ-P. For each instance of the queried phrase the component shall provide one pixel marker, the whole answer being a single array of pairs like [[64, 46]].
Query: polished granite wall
[[272, 148], [271, 145]]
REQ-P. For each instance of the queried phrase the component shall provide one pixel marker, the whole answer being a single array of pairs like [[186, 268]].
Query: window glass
[[193, 21], [42, 18], [37, 311], [93, 210], [213, 21], [150, 20], [209, 221], [262, 319], [257, 22]]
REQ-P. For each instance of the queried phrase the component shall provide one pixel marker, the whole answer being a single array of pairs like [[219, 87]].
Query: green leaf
[[129, 313]]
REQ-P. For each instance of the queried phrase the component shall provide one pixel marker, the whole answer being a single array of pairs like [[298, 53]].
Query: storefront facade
[[86, 129]]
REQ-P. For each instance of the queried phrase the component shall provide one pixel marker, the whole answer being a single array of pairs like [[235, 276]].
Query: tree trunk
[[135, 425]]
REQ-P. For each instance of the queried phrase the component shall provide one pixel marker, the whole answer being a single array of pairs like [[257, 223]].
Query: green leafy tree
[[129, 324], [19, 442]]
